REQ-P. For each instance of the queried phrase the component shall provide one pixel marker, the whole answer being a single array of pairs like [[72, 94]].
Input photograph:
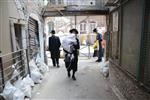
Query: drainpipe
[[140, 71]]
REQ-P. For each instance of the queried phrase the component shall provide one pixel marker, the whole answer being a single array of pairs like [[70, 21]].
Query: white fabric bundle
[[68, 41], [28, 81], [36, 76], [41, 65], [9, 91], [18, 95], [12, 93], [104, 68], [33, 66], [25, 88]]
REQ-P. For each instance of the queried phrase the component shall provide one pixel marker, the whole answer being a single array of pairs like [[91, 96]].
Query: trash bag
[[28, 81], [33, 65], [38, 58], [36, 76], [104, 68], [41, 65], [9, 90], [25, 88], [18, 95], [19, 83]]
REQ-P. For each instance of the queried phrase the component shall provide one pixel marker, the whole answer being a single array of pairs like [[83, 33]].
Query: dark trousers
[[55, 61], [71, 64], [100, 54]]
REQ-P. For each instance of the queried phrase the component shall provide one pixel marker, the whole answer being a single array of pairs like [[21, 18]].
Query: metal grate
[[33, 37], [19, 59]]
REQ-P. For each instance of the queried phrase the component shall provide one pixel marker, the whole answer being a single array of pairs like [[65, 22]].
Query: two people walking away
[[54, 45], [100, 49], [71, 46]]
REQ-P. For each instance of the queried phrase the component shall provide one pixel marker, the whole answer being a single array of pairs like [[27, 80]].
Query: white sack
[[25, 88], [32, 65], [41, 65], [19, 83], [36, 76], [18, 95], [9, 90], [68, 41], [28, 81], [104, 68]]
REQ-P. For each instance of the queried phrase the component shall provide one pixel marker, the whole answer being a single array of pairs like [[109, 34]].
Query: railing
[[20, 61], [87, 47]]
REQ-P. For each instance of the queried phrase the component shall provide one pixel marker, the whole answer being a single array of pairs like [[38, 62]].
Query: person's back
[[54, 45]]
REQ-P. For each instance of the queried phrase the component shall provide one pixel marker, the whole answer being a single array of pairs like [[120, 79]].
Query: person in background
[[54, 45], [95, 47], [99, 39]]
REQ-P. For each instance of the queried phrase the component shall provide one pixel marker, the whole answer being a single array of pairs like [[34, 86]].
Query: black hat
[[95, 30], [75, 31], [53, 31]]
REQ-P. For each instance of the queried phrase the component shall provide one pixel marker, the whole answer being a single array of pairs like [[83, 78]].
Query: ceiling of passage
[[74, 7]]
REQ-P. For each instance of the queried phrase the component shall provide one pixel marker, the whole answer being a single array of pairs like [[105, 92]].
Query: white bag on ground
[[104, 68], [18, 95], [32, 65], [19, 83], [36, 76], [41, 65], [28, 81], [25, 88], [9, 91]]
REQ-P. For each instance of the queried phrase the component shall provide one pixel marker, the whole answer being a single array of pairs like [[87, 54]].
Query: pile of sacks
[[104, 68], [21, 87]]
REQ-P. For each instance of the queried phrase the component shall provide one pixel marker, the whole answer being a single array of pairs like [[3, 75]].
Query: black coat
[[73, 64], [54, 45]]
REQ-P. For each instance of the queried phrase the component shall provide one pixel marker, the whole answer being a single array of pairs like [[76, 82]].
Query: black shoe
[[74, 78], [98, 60], [68, 74], [58, 66]]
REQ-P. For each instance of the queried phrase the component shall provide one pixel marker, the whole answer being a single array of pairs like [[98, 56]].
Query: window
[[92, 26], [83, 27]]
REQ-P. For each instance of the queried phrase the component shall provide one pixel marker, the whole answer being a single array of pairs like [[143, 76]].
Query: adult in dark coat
[[72, 64], [99, 38], [54, 45]]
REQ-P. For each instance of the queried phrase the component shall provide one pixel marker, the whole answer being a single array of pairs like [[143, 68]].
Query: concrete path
[[90, 84]]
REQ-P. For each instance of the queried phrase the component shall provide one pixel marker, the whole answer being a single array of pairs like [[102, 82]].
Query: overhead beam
[[75, 13]]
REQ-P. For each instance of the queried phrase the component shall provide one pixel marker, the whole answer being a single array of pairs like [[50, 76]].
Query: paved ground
[[90, 84]]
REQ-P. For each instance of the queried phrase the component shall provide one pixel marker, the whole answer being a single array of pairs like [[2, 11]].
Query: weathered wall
[[131, 35], [130, 30], [5, 43]]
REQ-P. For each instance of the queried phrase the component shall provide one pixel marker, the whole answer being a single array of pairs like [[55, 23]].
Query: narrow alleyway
[[90, 84]]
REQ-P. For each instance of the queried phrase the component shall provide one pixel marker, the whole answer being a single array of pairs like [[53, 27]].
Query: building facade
[[21, 35], [129, 52]]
